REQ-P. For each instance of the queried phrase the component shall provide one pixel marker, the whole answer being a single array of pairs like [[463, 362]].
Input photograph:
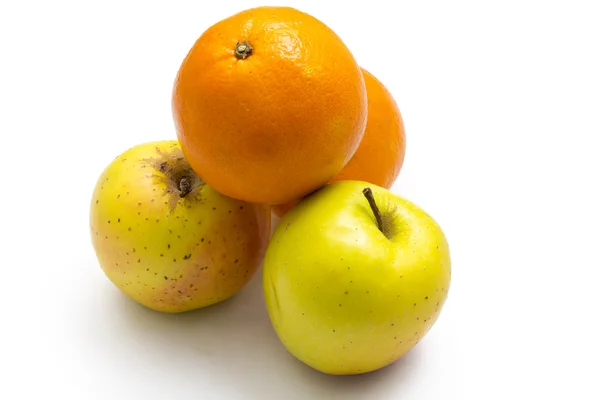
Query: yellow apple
[[354, 278], [165, 238]]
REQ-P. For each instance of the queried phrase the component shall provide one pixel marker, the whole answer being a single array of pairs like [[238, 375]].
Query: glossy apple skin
[[168, 253], [342, 297]]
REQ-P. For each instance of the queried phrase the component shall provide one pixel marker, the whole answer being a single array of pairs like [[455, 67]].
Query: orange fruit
[[380, 155], [269, 105]]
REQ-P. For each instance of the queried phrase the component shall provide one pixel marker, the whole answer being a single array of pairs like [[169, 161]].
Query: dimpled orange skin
[[276, 124], [380, 156]]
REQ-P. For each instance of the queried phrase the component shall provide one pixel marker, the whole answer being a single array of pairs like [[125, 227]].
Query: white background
[[501, 102]]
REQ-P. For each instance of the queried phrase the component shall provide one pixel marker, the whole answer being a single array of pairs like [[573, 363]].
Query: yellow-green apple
[[354, 276], [168, 240]]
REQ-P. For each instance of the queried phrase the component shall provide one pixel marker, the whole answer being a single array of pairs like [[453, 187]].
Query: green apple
[[354, 278], [168, 240]]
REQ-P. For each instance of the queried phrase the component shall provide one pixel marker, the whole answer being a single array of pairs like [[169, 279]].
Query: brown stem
[[184, 187], [369, 195], [243, 50]]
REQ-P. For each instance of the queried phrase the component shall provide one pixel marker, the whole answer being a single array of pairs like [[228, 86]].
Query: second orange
[[269, 105]]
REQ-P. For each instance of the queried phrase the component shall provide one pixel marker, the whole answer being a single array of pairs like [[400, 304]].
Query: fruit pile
[[273, 114]]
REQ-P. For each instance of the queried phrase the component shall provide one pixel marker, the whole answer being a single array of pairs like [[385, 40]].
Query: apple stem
[[243, 50], [184, 187], [369, 195]]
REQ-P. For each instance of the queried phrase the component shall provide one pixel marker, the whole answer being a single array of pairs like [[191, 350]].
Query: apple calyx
[[371, 199], [243, 50], [180, 176], [176, 173], [185, 187]]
